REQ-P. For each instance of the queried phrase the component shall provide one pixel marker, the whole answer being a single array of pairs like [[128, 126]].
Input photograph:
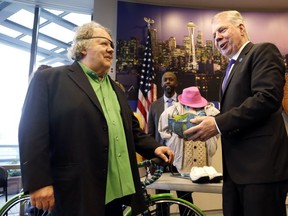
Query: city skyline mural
[[182, 42]]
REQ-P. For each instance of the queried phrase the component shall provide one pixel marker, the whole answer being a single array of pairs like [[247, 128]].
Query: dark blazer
[[156, 109], [254, 139], [63, 140]]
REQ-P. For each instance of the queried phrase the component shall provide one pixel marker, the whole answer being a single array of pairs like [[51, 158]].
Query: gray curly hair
[[79, 43]]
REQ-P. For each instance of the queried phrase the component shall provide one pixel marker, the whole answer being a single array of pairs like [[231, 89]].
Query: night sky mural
[[182, 43]]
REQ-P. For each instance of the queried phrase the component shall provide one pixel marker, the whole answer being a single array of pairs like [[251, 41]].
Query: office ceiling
[[241, 5]]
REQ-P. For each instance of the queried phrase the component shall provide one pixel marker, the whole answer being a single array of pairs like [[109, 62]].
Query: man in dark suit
[[78, 136], [254, 139], [169, 83]]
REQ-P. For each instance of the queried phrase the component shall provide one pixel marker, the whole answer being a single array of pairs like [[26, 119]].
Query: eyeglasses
[[111, 42]]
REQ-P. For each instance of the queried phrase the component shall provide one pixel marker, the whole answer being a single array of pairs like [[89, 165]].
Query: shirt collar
[[174, 98], [235, 57], [90, 72]]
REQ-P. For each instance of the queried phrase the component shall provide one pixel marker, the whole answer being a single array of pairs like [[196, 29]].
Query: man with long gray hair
[[78, 136]]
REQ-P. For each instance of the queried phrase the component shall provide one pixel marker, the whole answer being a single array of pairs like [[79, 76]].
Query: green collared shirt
[[119, 180]]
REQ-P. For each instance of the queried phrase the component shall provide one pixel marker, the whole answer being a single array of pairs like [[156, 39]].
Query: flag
[[147, 89]]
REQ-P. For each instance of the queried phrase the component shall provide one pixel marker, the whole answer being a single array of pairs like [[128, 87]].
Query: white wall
[[105, 13]]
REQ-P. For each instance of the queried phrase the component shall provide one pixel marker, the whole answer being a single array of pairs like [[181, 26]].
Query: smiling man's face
[[228, 37]]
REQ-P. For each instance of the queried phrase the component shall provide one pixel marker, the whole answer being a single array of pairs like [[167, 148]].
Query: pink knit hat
[[191, 97]]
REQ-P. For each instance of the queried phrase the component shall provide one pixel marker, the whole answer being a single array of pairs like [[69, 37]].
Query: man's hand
[[204, 130], [165, 153], [43, 198]]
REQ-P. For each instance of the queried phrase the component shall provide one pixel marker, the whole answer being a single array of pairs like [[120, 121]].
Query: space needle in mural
[[192, 63]]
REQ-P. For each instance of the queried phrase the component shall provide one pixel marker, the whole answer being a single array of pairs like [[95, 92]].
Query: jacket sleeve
[[151, 121], [163, 128], [34, 136], [211, 146]]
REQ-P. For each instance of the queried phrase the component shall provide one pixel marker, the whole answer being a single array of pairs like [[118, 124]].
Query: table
[[176, 183]]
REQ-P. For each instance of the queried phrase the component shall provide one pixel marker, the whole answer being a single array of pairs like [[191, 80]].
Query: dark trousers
[[254, 199], [115, 207], [180, 194]]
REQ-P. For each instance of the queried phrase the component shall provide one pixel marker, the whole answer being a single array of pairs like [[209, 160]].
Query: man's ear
[[242, 29]]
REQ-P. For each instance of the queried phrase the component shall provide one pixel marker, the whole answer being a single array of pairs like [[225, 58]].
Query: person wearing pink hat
[[191, 97], [192, 158], [169, 83]]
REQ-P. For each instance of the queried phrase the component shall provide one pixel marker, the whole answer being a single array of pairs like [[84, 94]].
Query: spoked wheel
[[20, 206], [172, 206]]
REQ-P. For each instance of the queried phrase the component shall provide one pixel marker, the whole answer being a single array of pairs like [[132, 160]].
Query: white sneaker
[[214, 176], [198, 175]]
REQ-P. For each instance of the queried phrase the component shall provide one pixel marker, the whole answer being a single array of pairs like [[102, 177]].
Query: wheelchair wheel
[[20, 205], [172, 206]]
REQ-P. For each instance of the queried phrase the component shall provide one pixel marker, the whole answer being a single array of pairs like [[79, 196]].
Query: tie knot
[[169, 101], [231, 62]]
